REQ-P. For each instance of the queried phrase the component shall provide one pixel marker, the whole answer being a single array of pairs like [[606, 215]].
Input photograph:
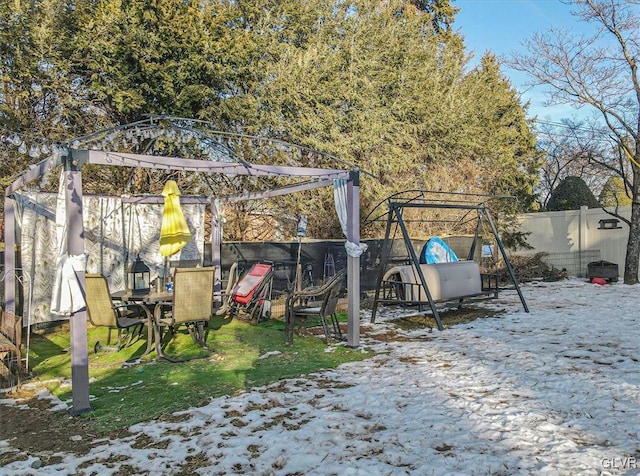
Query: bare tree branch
[[598, 69]]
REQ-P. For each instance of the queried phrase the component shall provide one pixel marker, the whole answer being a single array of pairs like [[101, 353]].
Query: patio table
[[148, 301]]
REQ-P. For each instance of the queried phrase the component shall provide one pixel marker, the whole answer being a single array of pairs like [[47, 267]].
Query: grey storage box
[[602, 269]]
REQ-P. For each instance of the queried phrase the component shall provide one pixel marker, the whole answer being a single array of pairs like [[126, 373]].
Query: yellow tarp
[[174, 233]]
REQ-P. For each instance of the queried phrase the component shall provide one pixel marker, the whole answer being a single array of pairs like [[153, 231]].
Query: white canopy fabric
[[340, 199], [67, 297]]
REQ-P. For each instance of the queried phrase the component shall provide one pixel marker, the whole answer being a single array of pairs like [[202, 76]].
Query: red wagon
[[252, 294]]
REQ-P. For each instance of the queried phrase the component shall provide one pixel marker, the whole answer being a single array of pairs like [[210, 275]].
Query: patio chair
[[127, 318], [192, 306], [11, 368], [316, 301]]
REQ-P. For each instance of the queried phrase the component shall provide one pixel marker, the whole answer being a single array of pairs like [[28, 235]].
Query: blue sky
[[500, 26]]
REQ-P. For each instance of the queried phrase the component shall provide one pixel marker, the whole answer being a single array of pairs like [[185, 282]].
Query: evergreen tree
[[40, 101], [381, 85], [571, 194], [500, 140]]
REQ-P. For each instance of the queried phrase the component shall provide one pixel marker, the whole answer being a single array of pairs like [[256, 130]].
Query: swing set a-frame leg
[[415, 262], [506, 260]]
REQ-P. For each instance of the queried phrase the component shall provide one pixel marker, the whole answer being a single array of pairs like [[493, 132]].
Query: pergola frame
[[73, 160]]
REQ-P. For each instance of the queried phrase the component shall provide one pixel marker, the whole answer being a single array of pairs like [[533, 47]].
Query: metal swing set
[[416, 283]]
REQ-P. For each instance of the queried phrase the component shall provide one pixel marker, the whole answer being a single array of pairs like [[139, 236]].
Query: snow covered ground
[[552, 391]]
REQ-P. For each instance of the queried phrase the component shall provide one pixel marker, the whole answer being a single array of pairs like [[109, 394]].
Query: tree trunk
[[633, 244]]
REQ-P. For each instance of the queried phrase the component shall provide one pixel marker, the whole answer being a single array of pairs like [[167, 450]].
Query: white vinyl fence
[[572, 239]]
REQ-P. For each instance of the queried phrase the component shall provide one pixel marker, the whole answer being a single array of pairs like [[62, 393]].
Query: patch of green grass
[[126, 388]]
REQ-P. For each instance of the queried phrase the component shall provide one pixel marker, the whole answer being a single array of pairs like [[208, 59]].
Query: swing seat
[[445, 281]]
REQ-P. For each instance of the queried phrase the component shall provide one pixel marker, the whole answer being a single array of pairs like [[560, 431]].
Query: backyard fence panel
[[573, 238]]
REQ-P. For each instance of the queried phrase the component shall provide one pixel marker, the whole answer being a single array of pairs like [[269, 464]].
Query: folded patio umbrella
[[174, 232]]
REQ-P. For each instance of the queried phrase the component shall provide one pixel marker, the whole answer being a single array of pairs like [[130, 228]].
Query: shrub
[[572, 193]]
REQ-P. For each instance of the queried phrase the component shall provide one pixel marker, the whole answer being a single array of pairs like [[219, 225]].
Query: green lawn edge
[[126, 388]]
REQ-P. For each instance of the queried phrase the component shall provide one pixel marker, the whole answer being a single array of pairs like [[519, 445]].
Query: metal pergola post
[[72, 177], [353, 263]]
